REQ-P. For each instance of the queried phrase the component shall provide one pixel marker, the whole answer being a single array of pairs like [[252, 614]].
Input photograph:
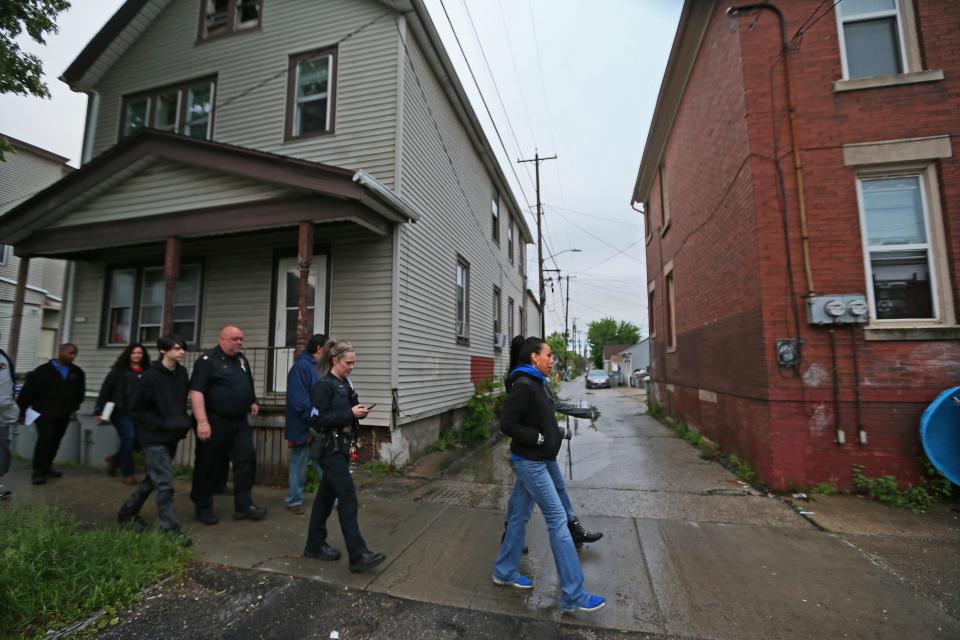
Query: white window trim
[[176, 115], [462, 327], [906, 34], [110, 307], [495, 215], [4, 254], [937, 259], [320, 96], [213, 97]]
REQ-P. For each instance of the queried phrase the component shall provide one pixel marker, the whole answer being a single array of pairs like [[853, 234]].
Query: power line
[[484, 101], [608, 259], [493, 80], [516, 72], [595, 217], [599, 239]]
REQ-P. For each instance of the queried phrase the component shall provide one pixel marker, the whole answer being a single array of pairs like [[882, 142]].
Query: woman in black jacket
[[529, 419], [120, 387], [337, 411]]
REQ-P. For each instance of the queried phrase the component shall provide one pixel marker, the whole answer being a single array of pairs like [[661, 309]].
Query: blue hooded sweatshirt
[[301, 378]]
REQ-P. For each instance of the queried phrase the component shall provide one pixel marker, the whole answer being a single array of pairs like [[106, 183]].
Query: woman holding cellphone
[[338, 411]]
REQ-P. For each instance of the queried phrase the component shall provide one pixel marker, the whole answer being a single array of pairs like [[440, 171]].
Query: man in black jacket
[[54, 390], [159, 412]]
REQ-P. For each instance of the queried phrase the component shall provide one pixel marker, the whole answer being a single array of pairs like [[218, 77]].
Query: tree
[[609, 331], [22, 73]]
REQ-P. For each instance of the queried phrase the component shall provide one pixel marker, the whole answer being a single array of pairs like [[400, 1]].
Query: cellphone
[[370, 406]]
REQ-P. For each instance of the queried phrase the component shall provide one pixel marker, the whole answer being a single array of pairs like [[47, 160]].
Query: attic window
[[220, 17], [185, 108]]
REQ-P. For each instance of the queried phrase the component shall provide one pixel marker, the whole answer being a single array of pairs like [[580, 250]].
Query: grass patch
[[656, 411], [449, 439], [824, 489], [379, 468], [743, 470], [55, 571], [887, 490]]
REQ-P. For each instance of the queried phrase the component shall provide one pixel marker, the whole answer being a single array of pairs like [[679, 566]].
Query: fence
[[269, 366]]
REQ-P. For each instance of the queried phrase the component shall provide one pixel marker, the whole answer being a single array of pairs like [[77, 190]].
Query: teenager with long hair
[[120, 387]]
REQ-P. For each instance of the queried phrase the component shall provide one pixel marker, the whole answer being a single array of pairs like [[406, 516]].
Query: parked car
[[598, 379]]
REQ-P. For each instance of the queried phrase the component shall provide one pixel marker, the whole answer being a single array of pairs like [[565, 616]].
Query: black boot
[[504, 535], [581, 535]]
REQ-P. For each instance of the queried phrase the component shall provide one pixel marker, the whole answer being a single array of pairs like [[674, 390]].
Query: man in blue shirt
[[301, 378]]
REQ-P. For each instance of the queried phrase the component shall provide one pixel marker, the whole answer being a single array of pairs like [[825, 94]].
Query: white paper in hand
[[31, 416], [108, 410]]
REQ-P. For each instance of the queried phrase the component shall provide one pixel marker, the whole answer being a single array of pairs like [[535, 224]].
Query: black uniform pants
[[49, 434], [336, 484], [158, 477], [230, 438]]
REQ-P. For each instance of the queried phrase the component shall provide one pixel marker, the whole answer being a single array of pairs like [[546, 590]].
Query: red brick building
[[806, 328]]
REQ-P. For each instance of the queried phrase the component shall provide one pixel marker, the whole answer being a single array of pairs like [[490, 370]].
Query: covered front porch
[[167, 234]]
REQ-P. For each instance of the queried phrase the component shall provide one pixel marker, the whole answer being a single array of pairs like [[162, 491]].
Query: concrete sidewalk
[[688, 551]]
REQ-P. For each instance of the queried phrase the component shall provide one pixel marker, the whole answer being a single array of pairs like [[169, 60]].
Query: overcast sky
[[578, 79]]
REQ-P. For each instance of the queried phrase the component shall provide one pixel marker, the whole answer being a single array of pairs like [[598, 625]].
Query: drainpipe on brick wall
[[792, 111], [841, 434], [861, 432]]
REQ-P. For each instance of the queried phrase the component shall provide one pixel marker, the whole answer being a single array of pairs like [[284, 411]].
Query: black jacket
[[160, 408], [50, 395], [334, 400], [527, 413], [119, 387]]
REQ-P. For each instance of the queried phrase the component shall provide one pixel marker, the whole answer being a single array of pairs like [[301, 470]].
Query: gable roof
[[694, 20], [135, 16], [610, 350], [35, 150], [146, 146]]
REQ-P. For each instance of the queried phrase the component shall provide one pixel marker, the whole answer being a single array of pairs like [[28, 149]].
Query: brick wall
[[728, 247]]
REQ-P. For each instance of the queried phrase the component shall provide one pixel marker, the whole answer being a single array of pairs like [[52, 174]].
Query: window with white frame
[[221, 17], [899, 241], [510, 327], [495, 215], [311, 93], [185, 108], [4, 254], [510, 239], [496, 310], [462, 291], [871, 38], [135, 304]]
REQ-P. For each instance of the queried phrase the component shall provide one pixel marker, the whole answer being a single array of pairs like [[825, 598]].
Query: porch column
[[13, 340], [171, 271], [304, 260]]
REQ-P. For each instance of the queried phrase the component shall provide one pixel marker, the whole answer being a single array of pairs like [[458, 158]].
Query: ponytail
[[332, 349]]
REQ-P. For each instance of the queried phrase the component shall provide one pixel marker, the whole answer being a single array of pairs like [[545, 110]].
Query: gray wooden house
[[287, 166]]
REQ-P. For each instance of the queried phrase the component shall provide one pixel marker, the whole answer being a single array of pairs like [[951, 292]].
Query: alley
[[688, 550]]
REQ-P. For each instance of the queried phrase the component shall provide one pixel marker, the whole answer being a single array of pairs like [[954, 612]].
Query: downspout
[[733, 12]]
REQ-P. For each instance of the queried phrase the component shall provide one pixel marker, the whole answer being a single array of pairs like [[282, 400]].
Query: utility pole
[[566, 315], [537, 160]]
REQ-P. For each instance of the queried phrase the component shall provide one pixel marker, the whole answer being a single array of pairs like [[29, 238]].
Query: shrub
[[885, 489]]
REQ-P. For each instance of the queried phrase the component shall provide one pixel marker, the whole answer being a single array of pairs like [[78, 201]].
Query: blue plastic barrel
[[940, 433]]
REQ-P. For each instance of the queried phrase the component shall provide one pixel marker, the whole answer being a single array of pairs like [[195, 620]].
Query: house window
[[311, 93], [523, 319], [220, 17], [664, 201], [871, 38], [671, 312], [496, 310], [510, 333], [522, 256], [899, 248], [463, 299], [510, 239], [495, 215], [4, 254], [136, 302], [185, 108]]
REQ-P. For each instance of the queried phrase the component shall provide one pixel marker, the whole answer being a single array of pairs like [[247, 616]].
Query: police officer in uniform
[[338, 410], [221, 393]]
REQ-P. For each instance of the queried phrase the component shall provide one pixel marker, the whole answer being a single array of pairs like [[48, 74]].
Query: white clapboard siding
[[165, 187], [237, 283], [434, 368], [366, 91]]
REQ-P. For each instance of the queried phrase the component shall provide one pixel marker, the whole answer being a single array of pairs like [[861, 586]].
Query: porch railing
[[269, 366]]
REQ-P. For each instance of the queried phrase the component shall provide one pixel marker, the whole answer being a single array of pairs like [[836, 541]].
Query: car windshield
[[597, 374]]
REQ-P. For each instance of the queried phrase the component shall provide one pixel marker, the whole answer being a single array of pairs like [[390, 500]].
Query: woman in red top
[[120, 388]]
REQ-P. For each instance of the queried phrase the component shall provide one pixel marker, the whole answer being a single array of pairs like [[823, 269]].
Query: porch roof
[[299, 191]]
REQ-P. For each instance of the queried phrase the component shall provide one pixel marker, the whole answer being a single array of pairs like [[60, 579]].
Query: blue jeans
[[299, 460], [535, 485], [553, 467], [123, 458]]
